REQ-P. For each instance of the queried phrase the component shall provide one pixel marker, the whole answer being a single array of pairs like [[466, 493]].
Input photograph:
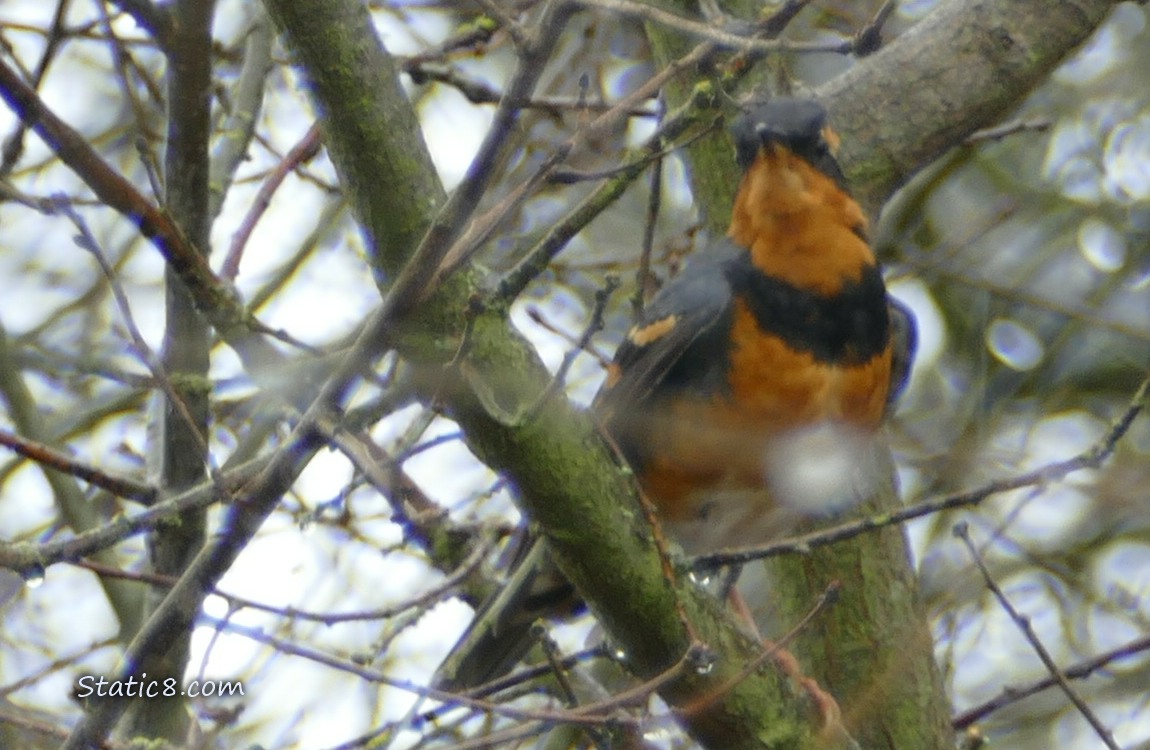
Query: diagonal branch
[[44, 455], [963, 532], [1079, 671], [896, 125]]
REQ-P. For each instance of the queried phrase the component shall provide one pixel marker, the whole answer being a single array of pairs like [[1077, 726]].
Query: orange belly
[[725, 460]]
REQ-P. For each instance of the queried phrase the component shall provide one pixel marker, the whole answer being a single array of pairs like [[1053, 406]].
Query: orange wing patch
[[652, 332], [614, 373], [832, 138]]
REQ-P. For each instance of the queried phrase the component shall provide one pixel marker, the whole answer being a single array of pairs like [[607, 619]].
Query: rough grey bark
[[962, 68], [180, 444]]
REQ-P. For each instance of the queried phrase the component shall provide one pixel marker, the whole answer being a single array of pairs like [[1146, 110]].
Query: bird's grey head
[[798, 125]]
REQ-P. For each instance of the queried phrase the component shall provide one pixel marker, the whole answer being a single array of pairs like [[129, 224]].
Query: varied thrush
[[776, 338]]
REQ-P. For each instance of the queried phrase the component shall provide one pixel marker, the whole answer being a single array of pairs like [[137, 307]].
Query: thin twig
[[14, 143], [1079, 671], [722, 38], [48, 728], [555, 660], [72, 660], [538, 318], [643, 273], [145, 134], [998, 132], [87, 241], [217, 635], [301, 152], [426, 445], [431, 596], [478, 92], [125, 487], [869, 38], [828, 597], [962, 531], [594, 325]]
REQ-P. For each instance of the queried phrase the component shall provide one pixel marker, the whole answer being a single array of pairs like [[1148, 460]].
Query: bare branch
[[303, 151], [719, 37], [239, 128], [594, 325], [1079, 671], [962, 532], [124, 487], [14, 143], [999, 132]]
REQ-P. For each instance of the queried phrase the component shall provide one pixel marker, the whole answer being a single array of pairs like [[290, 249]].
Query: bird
[[776, 344], [779, 333]]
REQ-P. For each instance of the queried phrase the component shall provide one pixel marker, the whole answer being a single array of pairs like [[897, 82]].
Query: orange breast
[[776, 388]]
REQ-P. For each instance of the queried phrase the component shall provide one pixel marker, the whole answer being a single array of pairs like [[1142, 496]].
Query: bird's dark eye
[[815, 145]]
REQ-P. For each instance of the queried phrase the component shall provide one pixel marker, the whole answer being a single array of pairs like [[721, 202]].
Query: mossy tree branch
[[180, 440], [960, 69]]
